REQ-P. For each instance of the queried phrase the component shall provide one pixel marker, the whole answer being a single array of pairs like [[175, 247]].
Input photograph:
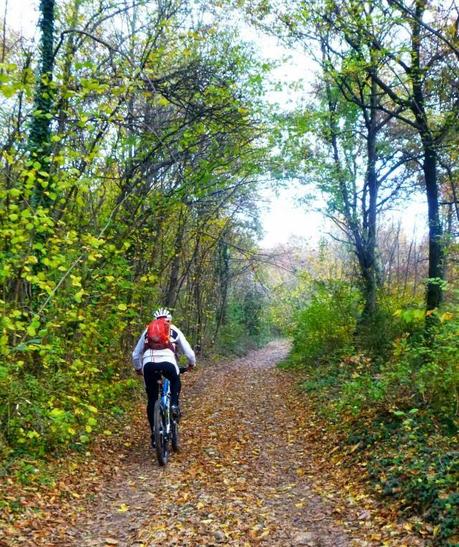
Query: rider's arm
[[138, 352], [185, 348]]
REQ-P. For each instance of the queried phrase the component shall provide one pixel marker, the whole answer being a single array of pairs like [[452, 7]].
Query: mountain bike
[[166, 429]]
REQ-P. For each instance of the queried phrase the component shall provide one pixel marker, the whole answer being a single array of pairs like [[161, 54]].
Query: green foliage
[[434, 365], [411, 459], [375, 335], [113, 200], [248, 324], [397, 406], [324, 329], [57, 406], [418, 372]]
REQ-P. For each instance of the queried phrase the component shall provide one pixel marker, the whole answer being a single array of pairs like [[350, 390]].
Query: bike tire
[[175, 436], [162, 451]]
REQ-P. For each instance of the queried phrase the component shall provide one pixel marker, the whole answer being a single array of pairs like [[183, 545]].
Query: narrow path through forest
[[252, 472]]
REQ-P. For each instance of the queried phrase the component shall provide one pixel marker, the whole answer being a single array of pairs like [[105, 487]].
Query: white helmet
[[163, 312]]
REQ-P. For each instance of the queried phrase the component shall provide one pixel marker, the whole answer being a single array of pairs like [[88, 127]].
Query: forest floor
[[257, 467]]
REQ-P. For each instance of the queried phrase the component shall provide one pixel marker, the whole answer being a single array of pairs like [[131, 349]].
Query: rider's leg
[[151, 376], [172, 373]]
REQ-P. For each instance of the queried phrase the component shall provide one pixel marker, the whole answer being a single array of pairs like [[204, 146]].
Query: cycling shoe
[[176, 414]]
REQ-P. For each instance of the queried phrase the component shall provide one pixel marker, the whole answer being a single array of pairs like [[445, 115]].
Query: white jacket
[[140, 359]]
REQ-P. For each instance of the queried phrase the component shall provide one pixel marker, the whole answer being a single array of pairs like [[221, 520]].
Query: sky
[[286, 220], [22, 15], [283, 219]]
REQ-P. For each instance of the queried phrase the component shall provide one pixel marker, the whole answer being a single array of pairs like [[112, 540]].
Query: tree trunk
[[170, 296], [434, 292], [223, 258], [40, 129], [368, 262]]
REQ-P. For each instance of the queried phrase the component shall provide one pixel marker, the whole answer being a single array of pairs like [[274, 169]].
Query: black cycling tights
[[151, 373]]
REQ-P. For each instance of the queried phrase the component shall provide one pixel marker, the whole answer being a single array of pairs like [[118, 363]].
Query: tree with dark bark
[[40, 129], [410, 94]]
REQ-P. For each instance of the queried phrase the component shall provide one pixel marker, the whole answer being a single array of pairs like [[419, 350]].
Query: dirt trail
[[250, 473]]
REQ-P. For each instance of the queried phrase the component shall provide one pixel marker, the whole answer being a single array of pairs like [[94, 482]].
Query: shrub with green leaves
[[247, 323], [324, 329], [395, 394]]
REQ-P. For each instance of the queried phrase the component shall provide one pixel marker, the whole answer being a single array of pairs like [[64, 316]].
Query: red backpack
[[158, 335]]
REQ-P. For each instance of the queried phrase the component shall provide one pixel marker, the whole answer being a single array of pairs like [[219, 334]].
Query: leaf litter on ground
[[257, 467]]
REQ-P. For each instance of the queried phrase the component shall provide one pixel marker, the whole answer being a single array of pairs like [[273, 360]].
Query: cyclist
[[152, 363]]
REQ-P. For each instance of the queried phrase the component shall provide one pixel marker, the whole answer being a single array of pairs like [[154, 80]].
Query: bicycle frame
[[165, 398]]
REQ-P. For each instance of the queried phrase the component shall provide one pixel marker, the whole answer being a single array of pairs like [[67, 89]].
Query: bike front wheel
[[161, 440]]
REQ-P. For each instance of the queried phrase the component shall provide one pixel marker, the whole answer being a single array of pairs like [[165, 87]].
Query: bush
[[52, 414], [391, 390], [324, 330], [247, 324], [420, 372]]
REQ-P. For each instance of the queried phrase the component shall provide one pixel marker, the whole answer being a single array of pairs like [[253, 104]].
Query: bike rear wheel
[[175, 436], [162, 449]]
